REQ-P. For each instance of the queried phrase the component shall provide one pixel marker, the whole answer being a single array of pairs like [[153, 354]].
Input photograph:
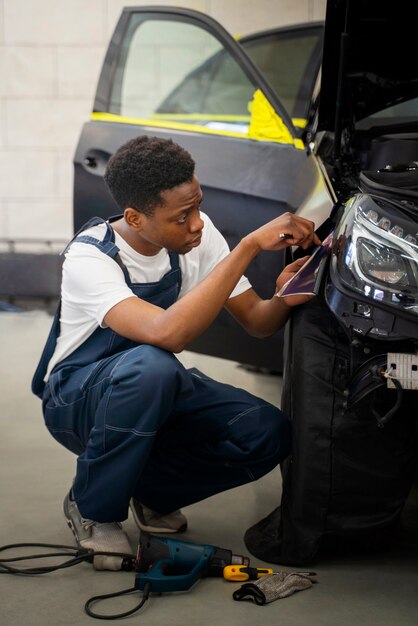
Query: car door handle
[[95, 161], [90, 161]]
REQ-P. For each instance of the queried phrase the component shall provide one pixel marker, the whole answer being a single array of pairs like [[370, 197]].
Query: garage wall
[[50, 56]]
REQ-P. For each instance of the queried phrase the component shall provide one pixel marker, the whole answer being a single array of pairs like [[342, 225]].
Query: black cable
[[78, 555], [94, 599]]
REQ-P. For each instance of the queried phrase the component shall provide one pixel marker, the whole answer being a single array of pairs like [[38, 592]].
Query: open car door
[[176, 73]]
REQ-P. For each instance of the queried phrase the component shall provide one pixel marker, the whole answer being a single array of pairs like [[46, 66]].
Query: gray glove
[[274, 586]]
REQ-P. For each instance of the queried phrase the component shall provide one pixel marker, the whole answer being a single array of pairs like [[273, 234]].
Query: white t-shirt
[[93, 283]]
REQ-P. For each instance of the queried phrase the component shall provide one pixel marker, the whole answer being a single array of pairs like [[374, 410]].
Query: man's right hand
[[301, 232]]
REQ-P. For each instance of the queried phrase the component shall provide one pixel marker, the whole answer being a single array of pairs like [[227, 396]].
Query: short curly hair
[[144, 167]]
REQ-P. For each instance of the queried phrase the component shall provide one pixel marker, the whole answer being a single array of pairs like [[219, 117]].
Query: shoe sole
[[155, 529]]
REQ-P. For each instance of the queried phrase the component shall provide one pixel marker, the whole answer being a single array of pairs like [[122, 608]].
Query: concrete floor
[[36, 472]]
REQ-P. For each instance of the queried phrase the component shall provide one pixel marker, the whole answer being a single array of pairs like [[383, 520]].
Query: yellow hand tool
[[239, 573]]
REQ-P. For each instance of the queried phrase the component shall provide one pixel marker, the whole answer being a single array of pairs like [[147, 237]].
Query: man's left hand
[[288, 272]]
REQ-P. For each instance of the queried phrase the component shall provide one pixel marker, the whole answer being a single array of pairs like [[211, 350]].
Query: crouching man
[[136, 289]]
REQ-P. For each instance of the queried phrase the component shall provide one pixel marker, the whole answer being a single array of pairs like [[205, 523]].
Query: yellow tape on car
[[263, 123]]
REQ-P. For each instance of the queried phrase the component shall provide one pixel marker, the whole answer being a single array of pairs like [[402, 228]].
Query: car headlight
[[382, 264], [376, 252]]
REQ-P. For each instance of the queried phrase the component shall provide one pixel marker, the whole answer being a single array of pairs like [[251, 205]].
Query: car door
[[176, 73]]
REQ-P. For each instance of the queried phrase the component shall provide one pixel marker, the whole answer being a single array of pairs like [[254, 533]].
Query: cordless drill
[[173, 565]]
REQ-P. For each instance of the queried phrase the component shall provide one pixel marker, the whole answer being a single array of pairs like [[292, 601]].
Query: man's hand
[[288, 272], [298, 230]]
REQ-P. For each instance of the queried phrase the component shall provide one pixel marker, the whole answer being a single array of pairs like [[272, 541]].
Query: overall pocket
[[62, 414]]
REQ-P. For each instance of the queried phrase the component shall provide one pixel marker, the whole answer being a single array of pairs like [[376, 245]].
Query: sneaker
[[97, 536], [150, 521]]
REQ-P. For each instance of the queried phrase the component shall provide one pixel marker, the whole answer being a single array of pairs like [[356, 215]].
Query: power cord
[[91, 601], [77, 555]]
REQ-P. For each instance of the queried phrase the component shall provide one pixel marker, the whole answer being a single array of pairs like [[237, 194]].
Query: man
[[136, 289]]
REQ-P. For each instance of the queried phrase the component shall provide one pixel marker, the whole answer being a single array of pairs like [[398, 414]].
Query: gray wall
[[50, 55]]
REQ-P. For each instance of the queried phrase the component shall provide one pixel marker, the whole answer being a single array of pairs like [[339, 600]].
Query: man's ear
[[134, 219]]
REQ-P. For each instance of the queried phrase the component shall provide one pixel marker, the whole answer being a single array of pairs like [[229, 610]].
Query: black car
[[177, 73], [266, 136], [351, 375], [337, 142]]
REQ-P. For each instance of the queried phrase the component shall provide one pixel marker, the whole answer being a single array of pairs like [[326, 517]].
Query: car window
[[180, 70], [400, 113], [172, 70], [405, 110], [290, 61]]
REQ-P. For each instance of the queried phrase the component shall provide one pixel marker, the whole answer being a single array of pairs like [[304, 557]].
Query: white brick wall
[[50, 56]]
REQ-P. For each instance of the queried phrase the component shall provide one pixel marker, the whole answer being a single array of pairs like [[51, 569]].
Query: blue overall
[[145, 427]]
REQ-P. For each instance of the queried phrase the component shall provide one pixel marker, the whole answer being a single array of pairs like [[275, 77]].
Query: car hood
[[369, 60]]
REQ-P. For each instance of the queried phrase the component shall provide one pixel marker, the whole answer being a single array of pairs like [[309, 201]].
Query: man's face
[[176, 224]]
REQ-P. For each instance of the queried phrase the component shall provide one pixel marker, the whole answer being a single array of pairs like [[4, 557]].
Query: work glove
[[274, 586]]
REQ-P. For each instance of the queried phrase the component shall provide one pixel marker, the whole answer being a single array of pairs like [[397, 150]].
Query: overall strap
[[106, 245], [94, 221], [175, 265]]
